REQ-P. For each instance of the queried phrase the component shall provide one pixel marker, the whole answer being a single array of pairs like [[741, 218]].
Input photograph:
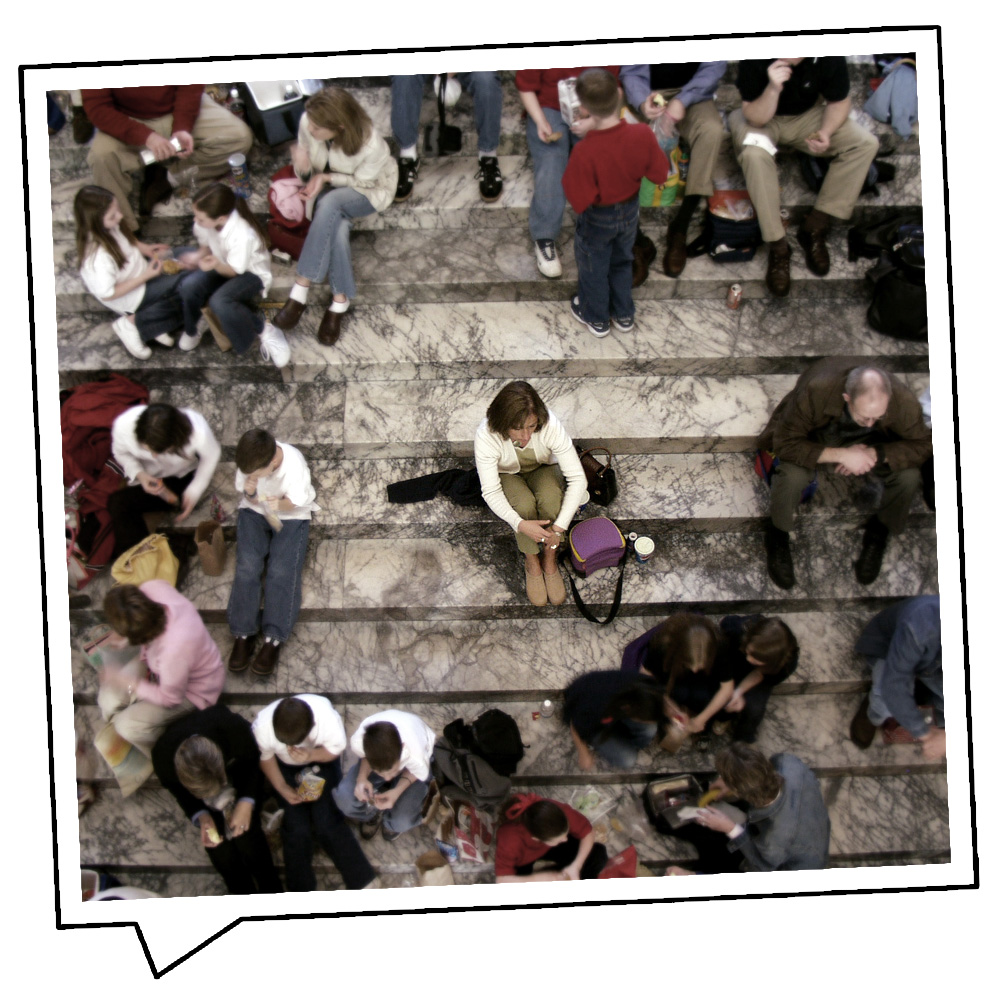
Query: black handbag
[[442, 139], [602, 483]]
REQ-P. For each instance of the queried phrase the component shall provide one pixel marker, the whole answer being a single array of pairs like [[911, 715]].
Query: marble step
[[474, 577], [429, 266], [446, 196], [529, 338], [397, 660]]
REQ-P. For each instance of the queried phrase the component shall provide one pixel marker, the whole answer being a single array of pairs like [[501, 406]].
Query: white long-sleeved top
[[238, 245], [201, 454], [496, 454], [101, 275], [372, 171]]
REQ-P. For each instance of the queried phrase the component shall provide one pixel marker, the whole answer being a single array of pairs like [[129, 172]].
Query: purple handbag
[[594, 544]]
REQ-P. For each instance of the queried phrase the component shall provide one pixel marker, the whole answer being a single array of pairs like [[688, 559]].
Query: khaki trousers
[[702, 129], [535, 495], [217, 134], [142, 723], [852, 149]]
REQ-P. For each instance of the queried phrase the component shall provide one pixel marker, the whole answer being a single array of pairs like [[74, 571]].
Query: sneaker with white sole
[[599, 329], [623, 324], [130, 338], [274, 346], [547, 258], [188, 343], [165, 339]]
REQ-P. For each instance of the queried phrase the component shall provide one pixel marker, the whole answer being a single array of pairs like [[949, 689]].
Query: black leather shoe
[[239, 658], [869, 563], [862, 730], [329, 327], [817, 257], [267, 658], [675, 257], [370, 826], [640, 266], [779, 273], [779, 557], [289, 315]]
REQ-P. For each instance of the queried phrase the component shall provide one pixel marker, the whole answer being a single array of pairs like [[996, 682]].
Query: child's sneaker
[[599, 329], [188, 343], [547, 258], [274, 346], [623, 323], [490, 179], [408, 167], [130, 338], [165, 339]]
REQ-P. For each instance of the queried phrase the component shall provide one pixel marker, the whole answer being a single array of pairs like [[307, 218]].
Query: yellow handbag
[[150, 559]]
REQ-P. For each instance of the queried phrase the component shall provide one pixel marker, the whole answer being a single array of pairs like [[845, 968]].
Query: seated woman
[[763, 653], [684, 655], [209, 762], [349, 172], [614, 714], [537, 829], [168, 454], [525, 458], [176, 649]]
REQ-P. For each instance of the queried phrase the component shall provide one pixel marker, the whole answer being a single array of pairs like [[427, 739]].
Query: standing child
[[602, 182], [272, 528], [124, 274], [230, 268]]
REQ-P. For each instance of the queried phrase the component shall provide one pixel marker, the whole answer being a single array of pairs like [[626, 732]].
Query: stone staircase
[[422, 606]]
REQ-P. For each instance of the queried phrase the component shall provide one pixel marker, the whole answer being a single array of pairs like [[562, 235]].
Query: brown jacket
[[817, 399]]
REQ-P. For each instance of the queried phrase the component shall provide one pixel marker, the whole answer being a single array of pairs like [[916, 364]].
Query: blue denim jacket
[[791, 833], [907, 636]]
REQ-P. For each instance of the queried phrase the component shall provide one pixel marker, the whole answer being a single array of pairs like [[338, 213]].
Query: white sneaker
[[188, 343], [130, 338], [274, 346], [165, 339], [547, 258]]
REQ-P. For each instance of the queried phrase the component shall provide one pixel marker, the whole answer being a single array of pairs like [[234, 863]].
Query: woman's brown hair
[[133, 614], [515, 403], [749, 773], [337, 110], [772, 643], [89, 209], [218, 200], [684, 642], [200, 766]]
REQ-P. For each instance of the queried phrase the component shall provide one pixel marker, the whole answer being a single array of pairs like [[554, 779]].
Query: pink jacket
[[184, 657]]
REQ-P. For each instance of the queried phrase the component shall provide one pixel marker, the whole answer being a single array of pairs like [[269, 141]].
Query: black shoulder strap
[[581, 605]]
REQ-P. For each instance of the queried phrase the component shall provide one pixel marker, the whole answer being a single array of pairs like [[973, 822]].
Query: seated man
[[859, 420], [787, 826], [150, 116], [780, 107], [407, 93], [688, 90], [902, 646]]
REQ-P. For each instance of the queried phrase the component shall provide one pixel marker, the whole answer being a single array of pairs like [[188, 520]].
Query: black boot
[[869, 563], [779, 557]]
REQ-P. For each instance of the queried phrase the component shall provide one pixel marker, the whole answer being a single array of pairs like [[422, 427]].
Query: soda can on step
[[734, 297]]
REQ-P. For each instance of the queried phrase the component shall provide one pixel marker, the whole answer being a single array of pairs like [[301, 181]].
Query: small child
[[386, 789], [272, 527], [230, 268], [125, 274], [602, 182]]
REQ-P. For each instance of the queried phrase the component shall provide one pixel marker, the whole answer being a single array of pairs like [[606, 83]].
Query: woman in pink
[[179, 668]]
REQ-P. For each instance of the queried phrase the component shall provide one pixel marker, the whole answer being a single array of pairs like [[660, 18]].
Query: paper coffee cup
[[643, 548]]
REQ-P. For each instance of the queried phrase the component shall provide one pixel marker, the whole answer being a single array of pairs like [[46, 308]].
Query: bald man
[[856, 419]]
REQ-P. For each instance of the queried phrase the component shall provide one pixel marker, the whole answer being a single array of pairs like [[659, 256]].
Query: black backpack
[[464, 776], [814, 170], [726, 240], [493, 736], [899, 298]]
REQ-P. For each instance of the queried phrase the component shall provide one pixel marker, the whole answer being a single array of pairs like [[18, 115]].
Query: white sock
[[299, 293], [410, 152], [483, 154]]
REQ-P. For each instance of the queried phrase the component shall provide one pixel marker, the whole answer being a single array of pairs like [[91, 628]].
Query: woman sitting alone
[[536, 829], [531, 478]]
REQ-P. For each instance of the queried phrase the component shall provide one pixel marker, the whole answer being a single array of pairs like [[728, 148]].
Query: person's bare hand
[[312, 187], [535, 529], [778, 73], [819, 144], [934, 744], [857, 460], [160, 146], [652, 110], [153, 269], [187, 143]]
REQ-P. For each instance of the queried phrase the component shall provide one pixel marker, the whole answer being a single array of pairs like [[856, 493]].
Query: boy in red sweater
[[602, 182]]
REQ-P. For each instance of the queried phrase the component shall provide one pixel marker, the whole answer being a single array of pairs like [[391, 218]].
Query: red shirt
[[544, 82], [516, 846], [608, 166], [112, 110]]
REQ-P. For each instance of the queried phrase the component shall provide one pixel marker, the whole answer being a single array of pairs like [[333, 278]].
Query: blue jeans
[[161, 309], [548, 202], [401, 817], [484, 87], [284, 552], [231, 299], [326, 254], [627, 737], [605, 236], [332, 832]]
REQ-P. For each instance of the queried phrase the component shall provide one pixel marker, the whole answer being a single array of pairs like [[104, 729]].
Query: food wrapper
[[569, 104], [310, 786]]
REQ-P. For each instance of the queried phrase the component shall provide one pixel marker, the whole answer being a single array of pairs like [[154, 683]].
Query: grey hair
[[863, 380]]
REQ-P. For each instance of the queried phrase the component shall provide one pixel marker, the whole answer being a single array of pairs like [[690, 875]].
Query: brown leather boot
[[676, 253], [267, 658], [289, 316], [779, 270], [329, 327], [817, 256]]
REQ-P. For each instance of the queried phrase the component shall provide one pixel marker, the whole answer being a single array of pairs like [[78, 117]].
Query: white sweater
[[372, 171], [102, 275], [496, 454]]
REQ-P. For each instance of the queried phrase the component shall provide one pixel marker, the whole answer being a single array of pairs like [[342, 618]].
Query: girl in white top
[[230, 268], [524, 457], [349, 172], [125, 274]]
